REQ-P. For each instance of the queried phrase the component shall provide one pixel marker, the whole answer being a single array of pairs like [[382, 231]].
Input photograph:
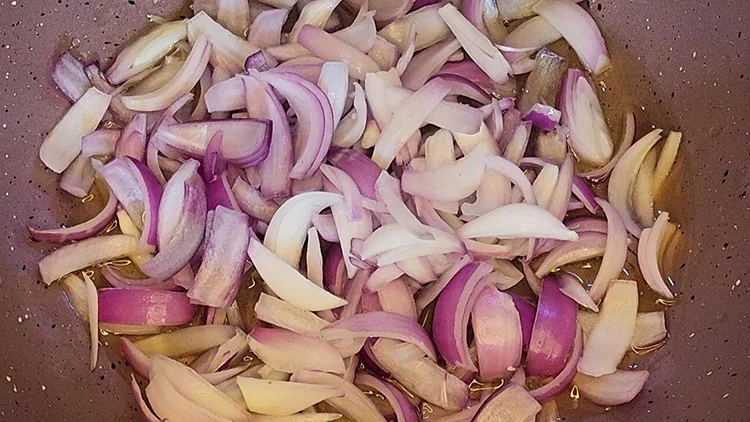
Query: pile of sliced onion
[[373, 171]]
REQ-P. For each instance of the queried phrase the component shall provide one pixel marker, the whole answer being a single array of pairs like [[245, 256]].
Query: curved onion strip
[[146, 51], [361, 34], [291, 352], [396, 298], [266, 28], [431, 291], [628, 136], [428, 25], [194, 389], [287, 230], [354, 405], [330, 48], [144, 307], [579, 30], [100, 142], [449, 183], [425, 63], [589, 245], [613, 389], [572, 287], [420, 375], [281, 398], [648, 256], [554, 330], [452, 314], [382, 276], [512, 400], [405, 411], [667, 158], [70, 77], [284, 315], [142, 406], [314, 257], [80, 231], [181, 84], [476, 44], [261, 102], [615, 252], [234, 15], [623, 176], [497, 334], [383, 325], [565, 377], [187, 341], [288, 283], [314, 13], [529, 36], [392, 243], [228, 51], [610, 338], [85, 253], [517, 221]]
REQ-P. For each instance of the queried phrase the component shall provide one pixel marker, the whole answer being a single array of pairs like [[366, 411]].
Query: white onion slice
[[281, 398], [610, 390], [611, 336]]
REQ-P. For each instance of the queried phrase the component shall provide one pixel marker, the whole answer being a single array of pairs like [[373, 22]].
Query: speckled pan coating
[[684, 64]]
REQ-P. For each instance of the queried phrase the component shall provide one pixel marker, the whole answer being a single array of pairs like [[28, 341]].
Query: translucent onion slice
[[281, 398], [616, 388], [354, 404]]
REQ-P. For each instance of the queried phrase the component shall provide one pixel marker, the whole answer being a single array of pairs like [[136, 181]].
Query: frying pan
[[680, 64]]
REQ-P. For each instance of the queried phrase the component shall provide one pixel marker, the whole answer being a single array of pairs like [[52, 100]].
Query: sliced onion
[[151, 192], [84, 254], [291, 352], [560, 197], [360, 167], [80, 231], [497, 334], [266, 28], [450, 183], [330, 48], [581, 112], [453, 116], [554, 330], [70, 77], [405, 411], [145, 410], [144, 307], [227, 95], [299, 417], [288, 283], [314, 13], [99, 142], [476, 44], [625, 143], [396, 298], [194, 389], [228, 51], [382, 276], [354, 405], [181, 84], [314, 257], [334, 82], [132, 141], [517, 221], [137, 360], [427, 62], [616, 388], [234, 15], [361, 34], [383, 325], [452, 314], [610, 338], [352, 125], [392, 243], [565, 377], [405, 122], [182, 221], [288, 229], [282, 398], [420, 375], [579, 30], [615, 251], [623, 176], [252, 203], [245, 142], [527, 315], [281, 314], [589, 245], [528, 37], [512, 403], [572, 287], [650, 328], [63, 144], [315, 119], [431, 291], [427, 23], [186, 341], [219, 276], [543, 117], [648, 256], [146, 51], [334, 273]]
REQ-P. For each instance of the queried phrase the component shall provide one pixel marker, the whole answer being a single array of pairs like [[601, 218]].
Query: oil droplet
[[109, 124], [666, 302], [479, 386], [647, 349], [603, 85], [88, 273], [574, 393], [426, 408], [587, 266], [15, 389], [247, 359], [75, 42], [87, 198], [113, 225], [103, 332], [8, 378], [118, 263]]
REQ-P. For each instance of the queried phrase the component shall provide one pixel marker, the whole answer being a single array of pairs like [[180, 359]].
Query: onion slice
[[383, 325], [616, 388], [284, 315], [63, 144], [144, 307], [84, 254], [517, 221], [512, 403], [290, 352], [288, 283], [610, 338], [354, 405], [648, 256], [497, 334], [186, 341], [615, 252], [579, 30], [281, 398], [330, 48], [405, 411]]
